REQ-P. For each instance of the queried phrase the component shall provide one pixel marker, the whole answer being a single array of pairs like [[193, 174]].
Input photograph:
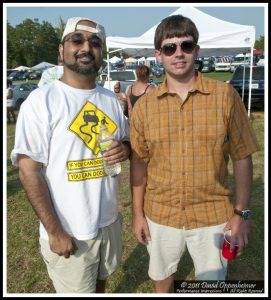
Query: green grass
[[223, 76], [26, 271]]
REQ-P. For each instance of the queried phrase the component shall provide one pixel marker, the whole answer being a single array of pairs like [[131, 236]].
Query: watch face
[[246, 214]]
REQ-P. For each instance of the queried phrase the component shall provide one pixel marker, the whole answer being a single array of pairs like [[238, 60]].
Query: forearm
[[243, 174], [138, 185], [39, 197]]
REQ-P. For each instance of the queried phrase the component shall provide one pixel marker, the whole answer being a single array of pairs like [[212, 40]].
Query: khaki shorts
[[168, 245], [94, 259]]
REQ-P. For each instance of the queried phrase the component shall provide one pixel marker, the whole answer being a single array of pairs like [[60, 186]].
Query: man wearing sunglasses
[[182, 136], [61, 166]]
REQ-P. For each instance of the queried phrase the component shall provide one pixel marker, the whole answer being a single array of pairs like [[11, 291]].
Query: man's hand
[[141, 230], [239, 231], [62, 244], [117, 152]]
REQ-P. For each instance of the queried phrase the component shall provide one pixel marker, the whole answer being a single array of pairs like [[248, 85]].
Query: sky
[[131, 20]]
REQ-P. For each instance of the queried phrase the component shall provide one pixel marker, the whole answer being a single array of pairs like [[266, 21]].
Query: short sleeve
[[242, 138], [32, 134]]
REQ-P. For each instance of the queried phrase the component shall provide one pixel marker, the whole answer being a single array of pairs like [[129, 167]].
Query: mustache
[[85, 54]]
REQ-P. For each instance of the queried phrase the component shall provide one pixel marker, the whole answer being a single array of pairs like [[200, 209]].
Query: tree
[[60, 29], [30, 42], [259, 44]]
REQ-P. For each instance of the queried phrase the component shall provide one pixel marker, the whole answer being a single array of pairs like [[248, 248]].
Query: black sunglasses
[[79, 39], [186, 46]]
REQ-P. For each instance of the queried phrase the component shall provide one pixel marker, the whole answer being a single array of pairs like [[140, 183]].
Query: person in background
[[122, 98], [51, 74], [182, 136], [10, 108], [61, 165], [139, 88]]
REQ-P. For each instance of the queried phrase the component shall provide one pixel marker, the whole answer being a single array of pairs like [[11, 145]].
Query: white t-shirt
[[58, 126], [50, 75]]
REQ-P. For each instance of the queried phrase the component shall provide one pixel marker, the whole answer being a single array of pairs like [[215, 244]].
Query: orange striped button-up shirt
[[187, 145]]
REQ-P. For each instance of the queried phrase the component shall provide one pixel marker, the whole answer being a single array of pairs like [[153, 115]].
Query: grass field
[[26, 272]]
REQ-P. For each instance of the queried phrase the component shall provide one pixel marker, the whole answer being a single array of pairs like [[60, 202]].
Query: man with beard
[[61, 166]]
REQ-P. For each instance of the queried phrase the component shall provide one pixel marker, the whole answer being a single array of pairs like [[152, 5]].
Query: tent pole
[[250, 80], [108, 66], [244, 73]]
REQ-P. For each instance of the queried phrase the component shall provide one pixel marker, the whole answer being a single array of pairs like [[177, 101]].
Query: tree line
[[31, 42]]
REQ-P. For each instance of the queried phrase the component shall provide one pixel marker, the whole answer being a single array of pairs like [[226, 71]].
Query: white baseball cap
[[71, 26]]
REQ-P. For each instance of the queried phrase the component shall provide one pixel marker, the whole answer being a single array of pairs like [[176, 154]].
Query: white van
[[240, 60], [223, 64]]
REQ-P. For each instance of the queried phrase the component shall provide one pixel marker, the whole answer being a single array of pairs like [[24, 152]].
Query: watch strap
[[238, 212]]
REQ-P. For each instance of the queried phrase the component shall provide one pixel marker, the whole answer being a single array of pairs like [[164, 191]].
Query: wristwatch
[[245, 214]]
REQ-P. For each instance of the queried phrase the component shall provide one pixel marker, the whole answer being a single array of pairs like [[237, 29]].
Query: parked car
[[9, 72], [118, 66], [158, 70], [257, 84], [239, 61], [198, 65], [21, 92], [25, 75], [35, 75], [208, 65], [15, 75], [223, 64], [126, 78]]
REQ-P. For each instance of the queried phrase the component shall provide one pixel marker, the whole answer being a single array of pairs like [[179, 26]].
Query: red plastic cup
[[226, 252]]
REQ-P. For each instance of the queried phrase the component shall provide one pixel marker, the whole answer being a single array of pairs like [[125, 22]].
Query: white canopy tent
[[114, 59], [130, 61], [216, 37], [43, 65], [22, 68]]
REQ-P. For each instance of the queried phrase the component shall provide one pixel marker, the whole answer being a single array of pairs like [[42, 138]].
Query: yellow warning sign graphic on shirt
[[87, 123]]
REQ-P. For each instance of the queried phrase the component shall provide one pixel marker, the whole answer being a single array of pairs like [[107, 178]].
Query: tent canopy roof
[[114, 59], [42, 65], [130, 60], [216, 37], [22, 68]]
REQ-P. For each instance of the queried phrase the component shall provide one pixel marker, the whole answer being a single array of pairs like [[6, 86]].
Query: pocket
[[48, 255]]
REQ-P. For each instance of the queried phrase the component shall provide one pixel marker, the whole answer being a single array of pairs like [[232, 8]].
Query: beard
[[89, 68]]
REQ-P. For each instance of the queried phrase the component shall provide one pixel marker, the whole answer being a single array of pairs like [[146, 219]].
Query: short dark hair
[[175, 26]]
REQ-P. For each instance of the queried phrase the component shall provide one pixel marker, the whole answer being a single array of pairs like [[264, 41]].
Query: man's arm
[[138, 179], [243, 174], [39, 196]]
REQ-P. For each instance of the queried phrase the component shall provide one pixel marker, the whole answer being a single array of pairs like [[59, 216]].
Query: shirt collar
[[200, 86]]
